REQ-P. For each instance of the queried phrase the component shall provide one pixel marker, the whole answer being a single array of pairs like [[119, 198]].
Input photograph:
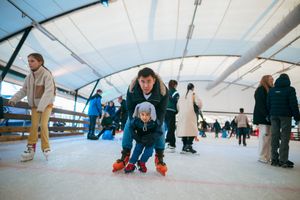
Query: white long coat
[[187, 120]]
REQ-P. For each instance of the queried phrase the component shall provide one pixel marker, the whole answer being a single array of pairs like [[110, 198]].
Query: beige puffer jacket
[[39, 87]]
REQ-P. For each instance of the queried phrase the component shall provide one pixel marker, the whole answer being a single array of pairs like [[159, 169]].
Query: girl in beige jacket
[[39, 87]]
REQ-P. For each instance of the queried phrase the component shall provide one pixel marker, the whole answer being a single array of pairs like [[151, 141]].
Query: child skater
[[144, 133], [39, 87]]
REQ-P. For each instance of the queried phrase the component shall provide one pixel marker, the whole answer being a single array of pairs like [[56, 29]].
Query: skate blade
[[25, 160], [189, 153], [170, 151], [117, 169], [162, 173]]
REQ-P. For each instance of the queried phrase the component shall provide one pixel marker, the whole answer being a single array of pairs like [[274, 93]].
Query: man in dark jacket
[[146, 87], [283, 105]]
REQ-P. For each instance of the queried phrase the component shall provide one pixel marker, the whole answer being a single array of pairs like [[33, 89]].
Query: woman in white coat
[[187, 120]]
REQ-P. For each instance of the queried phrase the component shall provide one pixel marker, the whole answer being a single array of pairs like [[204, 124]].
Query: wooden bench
[[75, 125]]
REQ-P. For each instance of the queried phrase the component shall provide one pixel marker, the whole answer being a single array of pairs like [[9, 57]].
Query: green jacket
[[173, 99]]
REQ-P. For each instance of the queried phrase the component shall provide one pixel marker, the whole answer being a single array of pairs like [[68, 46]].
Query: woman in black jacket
[[261, 118]]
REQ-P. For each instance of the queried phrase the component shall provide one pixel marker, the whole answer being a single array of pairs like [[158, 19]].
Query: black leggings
[[170, 121], [187, 140]]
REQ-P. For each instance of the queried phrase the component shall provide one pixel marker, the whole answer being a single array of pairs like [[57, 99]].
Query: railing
[[73, 125]]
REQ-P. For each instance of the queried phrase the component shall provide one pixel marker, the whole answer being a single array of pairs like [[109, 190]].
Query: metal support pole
[[14, 55], [75, 102]]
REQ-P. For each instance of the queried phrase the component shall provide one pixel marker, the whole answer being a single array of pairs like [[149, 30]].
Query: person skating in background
[[95, 110], [233, 126], [122, 113], [217, 128], [261, 118], [187, 127], [283, 105], [107, 124], [242, 124], [226, 129], [170, 118], [110, 109]]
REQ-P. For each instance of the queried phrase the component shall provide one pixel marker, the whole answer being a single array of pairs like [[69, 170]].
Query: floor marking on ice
[[148, 177]]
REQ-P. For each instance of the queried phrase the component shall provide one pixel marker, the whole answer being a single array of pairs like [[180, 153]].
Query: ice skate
[[122, 162], [142, 166], [161, 167], [29, 153], [129, 168], [46, 153]]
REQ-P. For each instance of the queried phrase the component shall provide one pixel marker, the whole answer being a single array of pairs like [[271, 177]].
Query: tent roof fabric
[[113, 43]]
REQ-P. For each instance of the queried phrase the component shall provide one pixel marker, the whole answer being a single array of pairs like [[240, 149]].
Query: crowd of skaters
[[275, 105], [110, 118]]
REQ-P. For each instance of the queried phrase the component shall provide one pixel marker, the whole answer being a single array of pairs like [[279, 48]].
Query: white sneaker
[[28, 154], [170, 149], [46, 153], [262, 160]]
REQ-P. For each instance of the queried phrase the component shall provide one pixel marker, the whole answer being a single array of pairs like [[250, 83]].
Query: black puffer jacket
[[282, 100], [145, 134], [261, 113]]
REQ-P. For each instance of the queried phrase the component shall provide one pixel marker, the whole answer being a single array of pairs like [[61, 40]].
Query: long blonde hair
[[265, 82]]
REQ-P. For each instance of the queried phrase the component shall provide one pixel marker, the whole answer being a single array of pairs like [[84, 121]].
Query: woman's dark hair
[[190, 86], [172, 84], [145, 72]]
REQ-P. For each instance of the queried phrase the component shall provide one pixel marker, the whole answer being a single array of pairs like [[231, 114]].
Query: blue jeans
[[138, 150], [127, 137]]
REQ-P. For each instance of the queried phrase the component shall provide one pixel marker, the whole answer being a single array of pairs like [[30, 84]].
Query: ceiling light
[[104, 3]]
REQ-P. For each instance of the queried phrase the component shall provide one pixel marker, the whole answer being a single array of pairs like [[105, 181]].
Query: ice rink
[[81, 169]]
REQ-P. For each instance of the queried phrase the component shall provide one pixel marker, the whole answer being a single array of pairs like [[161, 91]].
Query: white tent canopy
[[113, 43]]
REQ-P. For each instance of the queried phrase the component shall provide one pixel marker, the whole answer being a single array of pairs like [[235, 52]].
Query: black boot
[[92, 137], [189, 148]]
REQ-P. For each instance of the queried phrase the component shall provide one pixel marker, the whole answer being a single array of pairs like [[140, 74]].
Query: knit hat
[[145, 107]]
